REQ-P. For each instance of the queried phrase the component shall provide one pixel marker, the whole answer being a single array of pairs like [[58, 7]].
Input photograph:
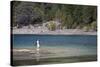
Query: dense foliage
[[70, 16]]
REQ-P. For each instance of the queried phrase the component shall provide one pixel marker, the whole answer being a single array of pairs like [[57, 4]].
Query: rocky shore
[[44, 30]]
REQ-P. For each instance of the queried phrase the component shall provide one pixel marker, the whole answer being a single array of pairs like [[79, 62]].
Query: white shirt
[[38, 45]]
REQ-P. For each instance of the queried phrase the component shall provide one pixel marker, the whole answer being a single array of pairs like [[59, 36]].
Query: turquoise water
[[27, 40]]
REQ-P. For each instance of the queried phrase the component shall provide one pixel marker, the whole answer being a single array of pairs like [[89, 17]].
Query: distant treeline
[[70, 16]]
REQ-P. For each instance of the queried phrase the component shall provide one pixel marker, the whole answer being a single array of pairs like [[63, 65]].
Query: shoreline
[[49, 34], [56, 32]]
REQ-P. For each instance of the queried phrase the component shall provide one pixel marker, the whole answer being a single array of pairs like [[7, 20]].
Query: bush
[[94, 26], [85, 28], [51, 26], [90, 27]]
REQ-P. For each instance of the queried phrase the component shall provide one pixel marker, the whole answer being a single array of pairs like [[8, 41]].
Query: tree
[[69, 16]]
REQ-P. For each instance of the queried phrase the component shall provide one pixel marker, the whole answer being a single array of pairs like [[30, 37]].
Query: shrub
[[51, 26], [87, 27], [94, 26]]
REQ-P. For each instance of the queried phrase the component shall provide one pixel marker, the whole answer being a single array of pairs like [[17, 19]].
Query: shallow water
[[53, 46]]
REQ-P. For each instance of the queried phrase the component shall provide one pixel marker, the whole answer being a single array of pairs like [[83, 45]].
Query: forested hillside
[[69, 16]]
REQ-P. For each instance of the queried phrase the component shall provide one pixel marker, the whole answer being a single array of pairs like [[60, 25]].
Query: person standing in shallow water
[[38, 44], [37, 50]]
